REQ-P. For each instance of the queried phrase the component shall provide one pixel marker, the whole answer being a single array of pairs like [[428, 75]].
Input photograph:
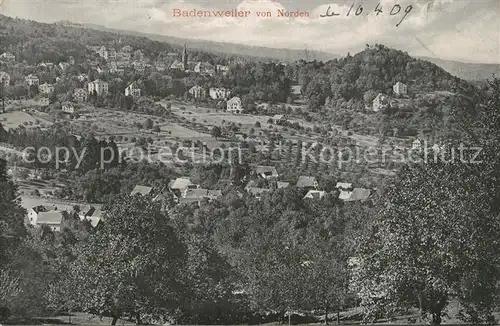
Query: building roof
[[256, 191], [265, 169], [278, 117], [359, 194], [215, 193], [39, 209], [296, 89], [143, 190], [345, 195], [234, 99], [50, 217], [180, 183], [281, 184], [343, 185], [305, 181], [315, 194], [195, 193]]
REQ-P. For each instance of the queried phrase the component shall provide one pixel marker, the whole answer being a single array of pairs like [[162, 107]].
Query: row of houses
[[125, 53], [182, 190], [346, 190], [53, 218]]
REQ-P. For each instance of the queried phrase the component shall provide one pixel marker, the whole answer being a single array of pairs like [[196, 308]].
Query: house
[[343, 186], [139, 66], [257, 192], [32, 80], [41, 215], [218, 93], [141, 190], [80, 95], [100, 70], [279, 119], [266, 172], [307, 182], [345, 194], [138, 55], [82, 77], [112, 54], [197, 195], [93, 214], [58, 79], [63, 65], [46, 88], [197, 92], [103, 52], [118, 66], [380, 102], [400, 88], [296, 90], [126, 48], [133, 90], [204, 68], [160, 66], [358, 194], [4, 79], [46, 65], [312, 194], [7, 56], [181, 184], [222, 69], [98, 86], [281, 184], [234, 105], [94, 48], [416, 145], [68, 108], [177, 65], [44, 101], [124, 55]]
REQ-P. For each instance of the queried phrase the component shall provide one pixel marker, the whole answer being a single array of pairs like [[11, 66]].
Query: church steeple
[[185, 58]]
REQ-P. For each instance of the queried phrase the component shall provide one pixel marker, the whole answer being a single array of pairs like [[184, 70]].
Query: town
[[143, 182]]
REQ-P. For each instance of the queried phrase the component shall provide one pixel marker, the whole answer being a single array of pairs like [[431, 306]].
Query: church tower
[[185, 58]]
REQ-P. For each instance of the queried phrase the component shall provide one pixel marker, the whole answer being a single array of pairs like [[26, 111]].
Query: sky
[[462, 30]]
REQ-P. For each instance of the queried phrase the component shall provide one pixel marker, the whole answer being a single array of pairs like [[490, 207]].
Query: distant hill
[[468, 71], [463, 70]]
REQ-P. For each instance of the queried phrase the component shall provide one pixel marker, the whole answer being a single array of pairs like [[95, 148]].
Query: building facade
[[234, 105], [133, 90], [99, 86], [400, 88], [197, 92], [219, 93]]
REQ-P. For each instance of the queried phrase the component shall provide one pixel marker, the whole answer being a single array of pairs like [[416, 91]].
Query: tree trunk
[[338, 317], [289, 318], [115, 319], [138, 319], [326, 315], [436, 318]]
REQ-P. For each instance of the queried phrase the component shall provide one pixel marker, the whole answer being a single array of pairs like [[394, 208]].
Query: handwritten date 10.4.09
[[359, 10]]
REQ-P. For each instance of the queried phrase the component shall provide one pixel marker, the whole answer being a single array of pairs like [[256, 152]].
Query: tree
[[429, 247], [216, 132], [148, 124], [132, 266]]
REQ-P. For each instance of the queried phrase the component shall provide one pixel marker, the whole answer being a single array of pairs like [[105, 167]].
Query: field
[[14, 119]]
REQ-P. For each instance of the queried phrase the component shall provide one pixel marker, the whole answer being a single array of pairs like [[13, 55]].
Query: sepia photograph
[[250, 162]]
